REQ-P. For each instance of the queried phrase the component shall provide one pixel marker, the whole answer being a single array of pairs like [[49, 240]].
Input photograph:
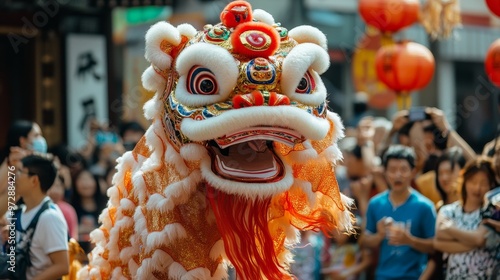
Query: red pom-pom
[[235, 13], [255, 39]]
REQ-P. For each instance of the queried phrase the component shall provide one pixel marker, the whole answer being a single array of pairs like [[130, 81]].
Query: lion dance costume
[[238, 159]]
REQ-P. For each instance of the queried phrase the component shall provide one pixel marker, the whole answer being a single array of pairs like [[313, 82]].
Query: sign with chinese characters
[[87, 85]]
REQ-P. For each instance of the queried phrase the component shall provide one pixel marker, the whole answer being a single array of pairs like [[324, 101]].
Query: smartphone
[[417, 114]]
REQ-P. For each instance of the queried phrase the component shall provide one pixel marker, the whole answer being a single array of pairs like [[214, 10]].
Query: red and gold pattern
[[241, 150]]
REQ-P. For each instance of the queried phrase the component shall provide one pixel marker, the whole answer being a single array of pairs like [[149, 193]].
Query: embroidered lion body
[[238, 159]]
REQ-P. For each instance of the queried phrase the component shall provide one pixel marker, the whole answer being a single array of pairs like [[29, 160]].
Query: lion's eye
[[201, 80], [306, 84]]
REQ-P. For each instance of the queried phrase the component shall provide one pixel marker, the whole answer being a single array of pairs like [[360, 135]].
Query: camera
[[491, 206], [417, 114]]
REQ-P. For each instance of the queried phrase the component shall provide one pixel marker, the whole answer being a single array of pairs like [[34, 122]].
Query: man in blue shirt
[[400, 222]]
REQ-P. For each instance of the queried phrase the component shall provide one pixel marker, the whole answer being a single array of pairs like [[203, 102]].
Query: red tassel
[[243, 225]]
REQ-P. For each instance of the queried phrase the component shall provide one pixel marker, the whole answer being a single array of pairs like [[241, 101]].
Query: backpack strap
[[33, 222]]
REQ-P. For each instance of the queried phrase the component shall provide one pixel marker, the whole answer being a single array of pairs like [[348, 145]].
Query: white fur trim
[[332, 153], [124, 163], [202, 273], [179, 192], [174, 194], [218, 250], [153, 81], [176, 271], [309, 34], [97, 237], [140, 226], [127, 252], [127, 205], [193, 152], [285, 257], [292, 235], [172, 156], [105, 219], [156, 146], [132, 267], [233, 120], [156, 201], [113, 195], [295, 65], [95, 273], [169, 234], [153, 107], [161, 260], [114, 235], [306, 188], [156, 34], [83, 273], [133, 249], [302, 156], [187, 30], [345, 218], [118, 274], [139, 190], [263, 16], [220, 62], [247, 190], [146, 269], [339, 127]]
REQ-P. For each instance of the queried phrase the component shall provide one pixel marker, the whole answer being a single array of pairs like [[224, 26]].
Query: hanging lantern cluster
[[402, 67]]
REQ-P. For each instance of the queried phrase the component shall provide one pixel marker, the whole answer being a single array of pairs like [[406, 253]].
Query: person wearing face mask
[[23, 138]]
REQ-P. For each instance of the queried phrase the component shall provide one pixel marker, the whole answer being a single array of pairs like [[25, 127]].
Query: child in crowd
[[347, 260]]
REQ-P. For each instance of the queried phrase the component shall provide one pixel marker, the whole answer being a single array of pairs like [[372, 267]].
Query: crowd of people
[[426, 205], [73, 184]]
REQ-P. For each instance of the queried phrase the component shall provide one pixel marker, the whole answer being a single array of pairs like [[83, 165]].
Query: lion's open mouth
[[247, 155]]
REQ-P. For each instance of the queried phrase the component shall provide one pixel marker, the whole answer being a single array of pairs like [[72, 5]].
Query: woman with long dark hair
[[88, 202], [458, 222], [447, 170]]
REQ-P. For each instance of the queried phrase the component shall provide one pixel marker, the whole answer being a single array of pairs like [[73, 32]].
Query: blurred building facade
[[38, 39]]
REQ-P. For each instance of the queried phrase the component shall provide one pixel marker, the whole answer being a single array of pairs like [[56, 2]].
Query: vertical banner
[[86, 85]]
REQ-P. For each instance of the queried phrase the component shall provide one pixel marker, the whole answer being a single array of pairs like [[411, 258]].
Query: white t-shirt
[[51, 235], [475, 264]]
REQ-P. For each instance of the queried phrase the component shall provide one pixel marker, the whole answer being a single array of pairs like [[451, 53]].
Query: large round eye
[[201, 80], [306, 84]]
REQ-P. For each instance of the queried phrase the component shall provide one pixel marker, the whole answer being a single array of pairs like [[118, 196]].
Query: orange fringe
[[249, 245]]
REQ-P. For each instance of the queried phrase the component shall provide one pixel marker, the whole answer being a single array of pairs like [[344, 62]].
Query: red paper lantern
[[492, 63], [389, 15], [405, 66], [494, 6]]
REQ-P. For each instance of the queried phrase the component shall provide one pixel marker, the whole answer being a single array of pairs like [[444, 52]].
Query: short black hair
[[43, 167], [133, 126], [440, 141], [405, 129], [399, 152]]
